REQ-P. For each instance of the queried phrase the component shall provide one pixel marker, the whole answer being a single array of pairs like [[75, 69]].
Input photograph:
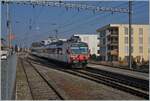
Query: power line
[[78, 6], [112, 13], [71, 5], [76, 26], [70, 20], [94, 15], [91, 19]]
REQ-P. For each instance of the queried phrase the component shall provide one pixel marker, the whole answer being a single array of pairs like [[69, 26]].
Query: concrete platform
[[134, 74], [8, 76]]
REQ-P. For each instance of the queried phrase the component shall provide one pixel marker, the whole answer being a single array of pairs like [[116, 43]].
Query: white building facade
[[91, 40]]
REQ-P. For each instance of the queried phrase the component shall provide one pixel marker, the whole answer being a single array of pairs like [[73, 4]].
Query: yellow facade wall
[[135, 44]]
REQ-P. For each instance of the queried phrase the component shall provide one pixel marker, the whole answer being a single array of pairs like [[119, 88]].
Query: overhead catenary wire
[[91, 19], [105, 16], [134, 11], [71, 5], [90, 16], [73, 21]]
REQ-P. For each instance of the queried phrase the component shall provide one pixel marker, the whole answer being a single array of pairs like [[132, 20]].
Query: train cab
[[79, 54]]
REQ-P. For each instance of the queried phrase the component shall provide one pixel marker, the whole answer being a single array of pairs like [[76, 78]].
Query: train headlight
[[75, 61]]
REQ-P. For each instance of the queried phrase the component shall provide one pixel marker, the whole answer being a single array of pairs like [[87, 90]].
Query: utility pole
[[130, 32], [8, 27], [56, 33]]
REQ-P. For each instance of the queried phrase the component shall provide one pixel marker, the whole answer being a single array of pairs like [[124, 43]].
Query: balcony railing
[[113, 52], [114, 44], [114, 35]]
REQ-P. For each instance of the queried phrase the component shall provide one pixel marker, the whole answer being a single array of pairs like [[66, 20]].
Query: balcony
[[98, 38], [114, 44], [114, 35], [108, 32], [98, 45], [108, 42], [114, 41], [114, 52], [102, 45]]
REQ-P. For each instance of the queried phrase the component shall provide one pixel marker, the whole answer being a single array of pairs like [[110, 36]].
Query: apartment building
[[91, 40], [114, 42]]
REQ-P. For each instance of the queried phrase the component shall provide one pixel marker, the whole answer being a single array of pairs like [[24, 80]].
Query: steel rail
[[100, 79], [48, 83]]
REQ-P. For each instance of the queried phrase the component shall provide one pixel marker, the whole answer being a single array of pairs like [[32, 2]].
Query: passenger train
[[74, 54]]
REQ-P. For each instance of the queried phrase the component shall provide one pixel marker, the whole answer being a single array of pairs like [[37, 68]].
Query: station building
[[114, 42], [91, 40]]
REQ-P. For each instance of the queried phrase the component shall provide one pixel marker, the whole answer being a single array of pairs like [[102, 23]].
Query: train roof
[[59, 44]]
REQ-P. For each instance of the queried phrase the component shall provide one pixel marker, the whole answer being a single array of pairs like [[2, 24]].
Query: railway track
[[90, 74], [131, 81], [40, 87], [109, 81]]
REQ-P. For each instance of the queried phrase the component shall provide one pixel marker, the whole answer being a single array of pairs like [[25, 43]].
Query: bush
[[93, 57], [98, 58]]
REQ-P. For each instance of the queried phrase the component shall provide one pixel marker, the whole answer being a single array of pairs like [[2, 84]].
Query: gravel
[[77, 88]]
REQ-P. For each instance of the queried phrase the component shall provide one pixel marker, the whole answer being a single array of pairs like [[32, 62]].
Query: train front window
[[79, 50]]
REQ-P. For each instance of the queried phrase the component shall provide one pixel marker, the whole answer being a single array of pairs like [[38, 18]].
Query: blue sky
[[44, 20]]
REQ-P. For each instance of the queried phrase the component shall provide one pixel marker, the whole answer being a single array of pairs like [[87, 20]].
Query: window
[[102, 33], [79, 50], [132, 49], [131, 31], [141, 31], [104, 41], [131, 40], [107, 31], [102, 49], [126, 49], [126, 31], [59, 51], [140, 40], [98, 52], [149, 40], [126, 40], [98, 45], [141, 49]]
